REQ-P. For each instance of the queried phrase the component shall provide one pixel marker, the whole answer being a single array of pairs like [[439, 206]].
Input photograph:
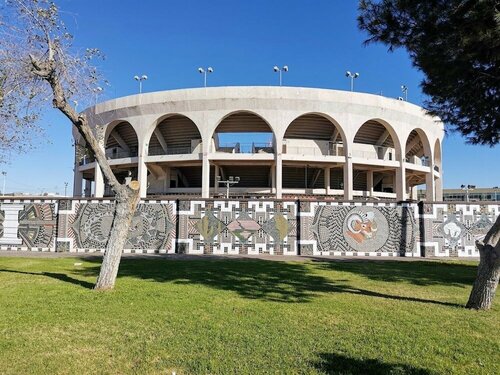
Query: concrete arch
[[392, 133], [244, 111], [160, 120], [112, 125], [154, 124], [425, 142], [333, 122]]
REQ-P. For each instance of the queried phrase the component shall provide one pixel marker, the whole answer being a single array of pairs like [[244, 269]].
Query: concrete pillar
[[98, 182], [88, 188], [348, 176], [205, 182], [273, 179], [369, 182], [216, 175], [166, 184], [400, 182], [279, 177], [414, 192], [77, 182], [142, 171], [438, 186], [429, 187], [327, 180]]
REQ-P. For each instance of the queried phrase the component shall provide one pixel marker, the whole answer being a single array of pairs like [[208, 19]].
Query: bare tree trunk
[[126, 204], [488, 271]]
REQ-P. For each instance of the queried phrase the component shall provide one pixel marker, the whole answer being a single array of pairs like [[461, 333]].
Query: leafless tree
[[38, 61]]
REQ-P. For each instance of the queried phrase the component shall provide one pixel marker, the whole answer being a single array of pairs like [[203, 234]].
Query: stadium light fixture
[[279, 70], [140, 79], [205, 72], [352, 76]]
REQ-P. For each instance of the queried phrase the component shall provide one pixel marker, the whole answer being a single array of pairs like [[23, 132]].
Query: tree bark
[[488, 271], [125, 205]]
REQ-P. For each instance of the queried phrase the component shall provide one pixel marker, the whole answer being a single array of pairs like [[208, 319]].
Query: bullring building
[[281, 142]]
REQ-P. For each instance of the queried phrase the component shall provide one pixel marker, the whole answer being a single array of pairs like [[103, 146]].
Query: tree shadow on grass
[[422, 273], [53, 275], [254, 279], [333, 363]]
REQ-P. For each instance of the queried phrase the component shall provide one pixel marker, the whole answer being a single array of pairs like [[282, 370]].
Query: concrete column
[[348, 176], [430, 195], [166, 184], [142, 171], [77, 182], [327, 180], [216, 175], [273, 179], [400, 182], [414, 192], [205, 182], [369, 182], [438, 186], [279, 176], [88, 188], [98, 182]]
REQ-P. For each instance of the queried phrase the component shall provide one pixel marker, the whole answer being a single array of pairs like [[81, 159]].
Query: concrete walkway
[[287, 258]]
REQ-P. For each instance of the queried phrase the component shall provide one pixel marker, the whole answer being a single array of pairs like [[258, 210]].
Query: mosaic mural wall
[[237, 227], [359, 230], [452, 229], [27, 225], [251, 227]]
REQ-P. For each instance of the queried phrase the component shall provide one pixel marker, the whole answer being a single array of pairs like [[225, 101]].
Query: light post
[[140, 79], [279, 70], [351, 76], [404, 89], [205, 72], [231, 181], [4, 174], [97, 91], [65, 189], [467, 188]]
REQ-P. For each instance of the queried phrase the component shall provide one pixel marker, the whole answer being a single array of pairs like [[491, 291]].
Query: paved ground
[[27, 254]]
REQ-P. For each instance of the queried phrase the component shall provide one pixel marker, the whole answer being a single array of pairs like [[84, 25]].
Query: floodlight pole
[[140, 79], [404, 89], [467, 188], [97, 91], [279, 70], [351, 76], [4, 174], [205, 71], [231, 181], [65, 188]]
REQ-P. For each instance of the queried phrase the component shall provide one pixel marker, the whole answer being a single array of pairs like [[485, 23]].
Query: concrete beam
[[160, 138], [382, 138], [120, 140]]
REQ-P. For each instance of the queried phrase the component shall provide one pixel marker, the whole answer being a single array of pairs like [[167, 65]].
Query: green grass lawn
[[243, 316]]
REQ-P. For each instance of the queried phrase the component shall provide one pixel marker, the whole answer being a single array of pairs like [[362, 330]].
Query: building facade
[[468, 195], [281, 142]]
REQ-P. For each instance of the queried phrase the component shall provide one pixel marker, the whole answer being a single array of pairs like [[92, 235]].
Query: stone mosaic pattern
[[364, 230], [237, 227], [307, 228], [453, 229], [152, 230], [27, 226]]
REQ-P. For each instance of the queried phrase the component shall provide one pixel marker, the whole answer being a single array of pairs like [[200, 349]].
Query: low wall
[[251, 227]]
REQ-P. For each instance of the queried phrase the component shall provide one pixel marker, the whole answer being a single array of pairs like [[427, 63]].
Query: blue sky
[[168, 40]]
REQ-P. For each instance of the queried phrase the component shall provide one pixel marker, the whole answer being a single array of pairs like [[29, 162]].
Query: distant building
[[475, 195]]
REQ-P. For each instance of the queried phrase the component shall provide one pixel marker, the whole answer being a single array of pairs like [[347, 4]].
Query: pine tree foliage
[[456, 44]]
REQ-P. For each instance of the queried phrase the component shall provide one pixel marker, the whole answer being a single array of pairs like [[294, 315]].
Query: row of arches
[[247, 132]]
